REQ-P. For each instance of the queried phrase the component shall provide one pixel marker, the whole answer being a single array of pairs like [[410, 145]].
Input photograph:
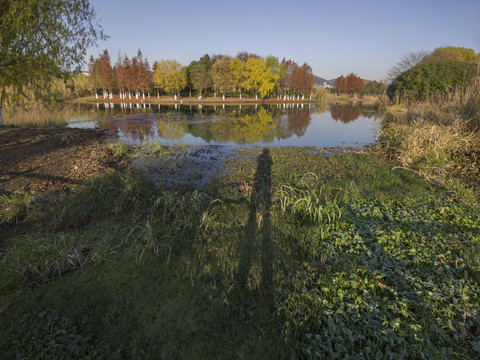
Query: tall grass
[[436, 137]]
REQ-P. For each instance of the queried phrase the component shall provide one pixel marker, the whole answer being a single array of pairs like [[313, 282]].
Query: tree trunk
[[240, 95]]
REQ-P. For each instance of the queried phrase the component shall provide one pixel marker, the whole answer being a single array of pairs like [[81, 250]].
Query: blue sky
[[335, 37]]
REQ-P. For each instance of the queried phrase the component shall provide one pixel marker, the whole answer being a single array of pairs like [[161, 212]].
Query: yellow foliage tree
[[239, 73], [222, 75], [170, 76]]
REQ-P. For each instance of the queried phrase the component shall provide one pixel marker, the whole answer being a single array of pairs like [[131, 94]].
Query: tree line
[[220, 74]]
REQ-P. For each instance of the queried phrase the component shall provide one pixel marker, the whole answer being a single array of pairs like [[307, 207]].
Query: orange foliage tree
[[348, 84]]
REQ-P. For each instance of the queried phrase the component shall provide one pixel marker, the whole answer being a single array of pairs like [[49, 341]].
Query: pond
[[278, 125]]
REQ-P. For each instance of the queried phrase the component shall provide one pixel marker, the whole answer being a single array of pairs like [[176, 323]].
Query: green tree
[[278, 70], [372, 88], [427, 79], [40, 40], [170, 76], [200, 73]]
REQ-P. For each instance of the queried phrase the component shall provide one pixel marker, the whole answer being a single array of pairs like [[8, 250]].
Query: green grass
[[287, 254]]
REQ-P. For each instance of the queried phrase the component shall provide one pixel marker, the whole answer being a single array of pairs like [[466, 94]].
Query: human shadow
[[259, 225]]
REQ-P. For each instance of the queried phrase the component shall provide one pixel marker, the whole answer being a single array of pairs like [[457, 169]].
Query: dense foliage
[[430, 78]]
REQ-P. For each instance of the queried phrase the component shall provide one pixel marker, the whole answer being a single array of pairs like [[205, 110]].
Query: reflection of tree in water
[[171, 130], [294, 123], [344, 113], [239, 129], [137, 129], [238, 125]]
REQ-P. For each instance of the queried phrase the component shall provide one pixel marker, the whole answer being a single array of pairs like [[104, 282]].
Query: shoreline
[[195, 101]]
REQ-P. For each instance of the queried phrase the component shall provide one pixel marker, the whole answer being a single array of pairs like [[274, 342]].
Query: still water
[[278, 125]]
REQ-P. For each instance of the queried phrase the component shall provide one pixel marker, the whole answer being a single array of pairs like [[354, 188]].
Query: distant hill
[[319, 80]]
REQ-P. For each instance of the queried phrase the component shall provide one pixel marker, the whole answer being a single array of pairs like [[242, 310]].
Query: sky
[[364, 37]]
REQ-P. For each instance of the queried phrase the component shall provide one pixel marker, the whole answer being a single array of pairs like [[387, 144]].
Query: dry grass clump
[[436, 137], [422, 140]]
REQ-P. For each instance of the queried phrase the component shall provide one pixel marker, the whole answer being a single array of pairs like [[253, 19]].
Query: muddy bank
[[48, 160]]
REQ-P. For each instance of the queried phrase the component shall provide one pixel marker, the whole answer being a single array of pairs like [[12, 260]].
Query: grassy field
[[287, 253]]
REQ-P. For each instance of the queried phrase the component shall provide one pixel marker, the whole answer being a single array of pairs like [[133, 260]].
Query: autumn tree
[[243, 56], [340, 84], [170, 76], [130, 75], [222, 75], [348, 84], [143, 73], [307, 79], [106, 74], [239, 73], [120, 77], [291, 78], [256, 70]]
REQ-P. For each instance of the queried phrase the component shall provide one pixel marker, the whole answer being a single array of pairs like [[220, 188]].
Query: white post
[[223, 97], [96, 95]]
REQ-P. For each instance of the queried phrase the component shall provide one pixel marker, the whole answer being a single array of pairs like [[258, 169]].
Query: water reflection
[[239, 125], [344, 113], [280, 124]]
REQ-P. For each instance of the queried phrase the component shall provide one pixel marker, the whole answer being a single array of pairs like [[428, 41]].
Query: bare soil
[[34, 160]]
